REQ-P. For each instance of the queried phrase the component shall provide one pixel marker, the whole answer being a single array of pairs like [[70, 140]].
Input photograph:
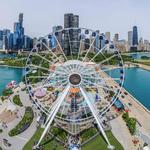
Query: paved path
[[120, 131], [20, 140]]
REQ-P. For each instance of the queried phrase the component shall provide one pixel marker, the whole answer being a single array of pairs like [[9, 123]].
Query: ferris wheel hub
[[75, 79]]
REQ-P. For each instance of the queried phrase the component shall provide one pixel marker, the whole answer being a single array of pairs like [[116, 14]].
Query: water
[[8, 74], [2, 55], [139, 55], [137, 82]]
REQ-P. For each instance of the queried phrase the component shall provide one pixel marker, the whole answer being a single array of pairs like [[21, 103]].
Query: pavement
[[121, 132], [18, 142]]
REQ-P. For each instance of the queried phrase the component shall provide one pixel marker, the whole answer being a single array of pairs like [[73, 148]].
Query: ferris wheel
[[67, 78]]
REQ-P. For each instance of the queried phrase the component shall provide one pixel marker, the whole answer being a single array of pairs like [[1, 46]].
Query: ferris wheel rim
[[45, 110]]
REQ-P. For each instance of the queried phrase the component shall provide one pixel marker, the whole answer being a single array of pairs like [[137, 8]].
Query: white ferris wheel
[[66, 79]]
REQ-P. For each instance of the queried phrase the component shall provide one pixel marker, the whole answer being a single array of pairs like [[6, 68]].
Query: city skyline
[[99, 20]]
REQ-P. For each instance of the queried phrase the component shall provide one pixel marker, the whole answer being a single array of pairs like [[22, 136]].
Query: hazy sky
[[116, 16]]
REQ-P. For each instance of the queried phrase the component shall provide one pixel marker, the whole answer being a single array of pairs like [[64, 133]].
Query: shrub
[[7, 92], [130, 122], [125, 116], [1, 130]]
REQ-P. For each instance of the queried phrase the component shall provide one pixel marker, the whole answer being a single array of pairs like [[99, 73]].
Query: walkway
[[18, 142]]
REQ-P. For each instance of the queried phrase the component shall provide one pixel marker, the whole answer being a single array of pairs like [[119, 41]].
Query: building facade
[[71, 21], [135, 36]]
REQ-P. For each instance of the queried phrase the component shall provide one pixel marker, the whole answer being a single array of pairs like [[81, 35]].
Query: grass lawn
[[48, 146], [17, 101], [99, 144], [86, 134], [144, 62], [24, 123]]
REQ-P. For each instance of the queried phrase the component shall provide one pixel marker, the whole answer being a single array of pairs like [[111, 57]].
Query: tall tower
[[135, 36], [116, 37], [130, 37], [21, 19], [71, 21], [107, 34]]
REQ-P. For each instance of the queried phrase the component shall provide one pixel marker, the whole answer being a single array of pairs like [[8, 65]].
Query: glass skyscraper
[[135, 36], [71, 21], [16, 40]]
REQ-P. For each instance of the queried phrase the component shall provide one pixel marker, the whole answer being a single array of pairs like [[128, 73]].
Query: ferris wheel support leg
[[53, 113], [95, 114]]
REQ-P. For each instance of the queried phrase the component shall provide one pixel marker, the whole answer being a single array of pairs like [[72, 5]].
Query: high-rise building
[[28, 43], [107, 35], [14, 41], [6, 33], [10, 41], [130, 34], [21, 19], [116, 37], [102, 40], [141, 45], [1, 39], [58, 33], [71, 21], [97, 41], [18, 33], [146, 45], [135, 36]]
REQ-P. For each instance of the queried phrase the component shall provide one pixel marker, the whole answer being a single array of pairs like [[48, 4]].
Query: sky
[[116, 16]]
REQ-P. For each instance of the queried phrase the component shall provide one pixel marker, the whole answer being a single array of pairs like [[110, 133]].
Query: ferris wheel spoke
[[105, 70], [109, 58], [100, 51], [88, 71], [99, 78], [52, 53], [61, 72], [63, 109], [60, 47], [34, 77], [42, 58], [81, 42], [97, 85], [95, 114], [90, 48], [54, 112], [70, 44], [43, 68], [51, 84]]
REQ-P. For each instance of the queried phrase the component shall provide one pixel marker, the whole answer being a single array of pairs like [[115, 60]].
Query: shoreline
[[145, 67], [135, 99], [137, 109], [11, 66]]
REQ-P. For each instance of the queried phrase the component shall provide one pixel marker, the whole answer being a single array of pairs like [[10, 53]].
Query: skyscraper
[[107, 35], [135, 36], [130, 37], [21, 19], [58, 33], [18, 33], [71, 21], [1, 39], [6, 33], [116, 37], [15, 40]]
